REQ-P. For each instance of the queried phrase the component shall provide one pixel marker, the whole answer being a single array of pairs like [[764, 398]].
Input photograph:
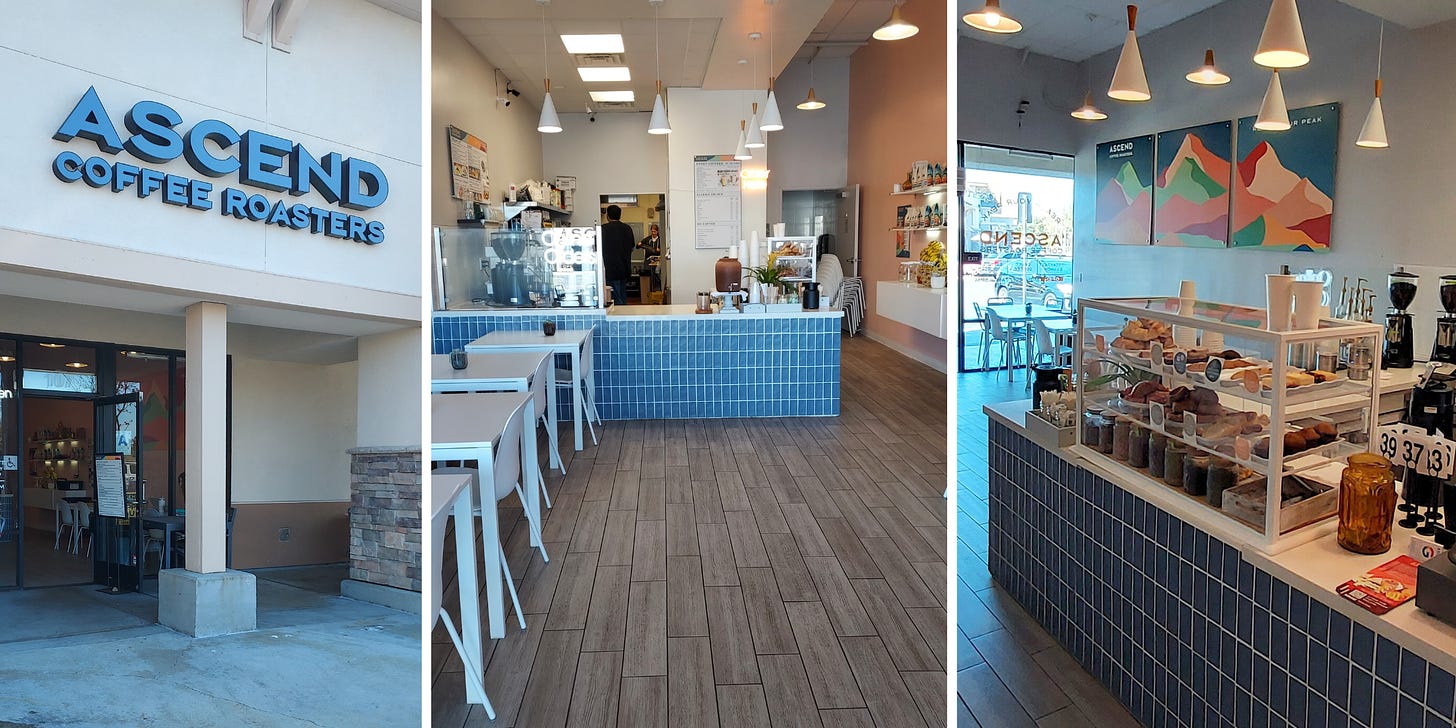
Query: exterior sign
[[260, 160]]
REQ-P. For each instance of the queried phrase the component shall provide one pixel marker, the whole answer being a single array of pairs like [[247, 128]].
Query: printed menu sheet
[[1385, 587], [110, 487], [469, 175], [717, 201]]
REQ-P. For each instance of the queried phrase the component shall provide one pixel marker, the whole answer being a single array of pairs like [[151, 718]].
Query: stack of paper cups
[[1212, 341], [1307, 295], [1280, 299], [1186, 290]]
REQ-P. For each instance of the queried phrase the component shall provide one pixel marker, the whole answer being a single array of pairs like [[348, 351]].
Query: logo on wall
[[214, 149]]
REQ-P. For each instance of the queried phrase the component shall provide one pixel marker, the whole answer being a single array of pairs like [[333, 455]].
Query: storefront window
[[57, 367], [1016, 241], [148, 376]]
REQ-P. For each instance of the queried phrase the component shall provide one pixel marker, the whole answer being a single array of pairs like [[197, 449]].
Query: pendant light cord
[[545, 64], [657, 40], [1380, 49]]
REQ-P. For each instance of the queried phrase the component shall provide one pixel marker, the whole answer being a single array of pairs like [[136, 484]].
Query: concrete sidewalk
[[75, 657]]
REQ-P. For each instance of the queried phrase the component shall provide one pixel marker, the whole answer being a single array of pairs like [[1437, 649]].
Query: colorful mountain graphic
[[1191, 198], [1276, 207], [1124, 207]]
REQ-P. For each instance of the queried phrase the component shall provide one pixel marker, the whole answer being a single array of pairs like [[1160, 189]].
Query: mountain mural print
[[1124, 214], [1284, 185], [1191, 194]]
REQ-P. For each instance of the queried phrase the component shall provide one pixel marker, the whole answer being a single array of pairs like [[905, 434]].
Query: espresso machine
[[1399, 325], [1444, 349]]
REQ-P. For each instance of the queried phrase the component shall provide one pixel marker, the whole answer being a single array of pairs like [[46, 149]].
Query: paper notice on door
[[110, 487]]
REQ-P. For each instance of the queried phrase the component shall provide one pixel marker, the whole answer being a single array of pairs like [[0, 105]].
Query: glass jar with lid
[[1367, 504]]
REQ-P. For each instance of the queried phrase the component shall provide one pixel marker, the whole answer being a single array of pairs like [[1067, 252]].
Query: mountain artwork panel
[[1124, 213], [1191, 192], [1284, 184]]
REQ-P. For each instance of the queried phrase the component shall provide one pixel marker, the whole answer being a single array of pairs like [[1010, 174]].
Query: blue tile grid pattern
[[1176, 623], [703, 367]]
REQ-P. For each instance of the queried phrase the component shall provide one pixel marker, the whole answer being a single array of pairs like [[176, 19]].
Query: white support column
[[206, 463]]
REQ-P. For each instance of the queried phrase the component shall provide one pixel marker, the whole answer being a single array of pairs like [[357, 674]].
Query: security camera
[[511, 89], [592, 117]]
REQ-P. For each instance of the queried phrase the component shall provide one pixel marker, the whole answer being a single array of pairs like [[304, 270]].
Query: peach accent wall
[[897, 101]]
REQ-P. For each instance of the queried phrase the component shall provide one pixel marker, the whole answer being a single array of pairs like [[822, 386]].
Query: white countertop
[[913, 287], [1314, 568], [683, 311]]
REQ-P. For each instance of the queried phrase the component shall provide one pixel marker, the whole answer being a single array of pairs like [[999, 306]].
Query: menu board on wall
[[717, 201], [110, 487], [469, 173]]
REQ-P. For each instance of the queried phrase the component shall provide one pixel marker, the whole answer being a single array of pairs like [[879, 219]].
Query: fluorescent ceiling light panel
[[604, 75], [605, 97], [608, 43]]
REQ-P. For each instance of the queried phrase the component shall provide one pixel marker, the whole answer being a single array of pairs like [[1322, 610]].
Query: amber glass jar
[[1367, 504]]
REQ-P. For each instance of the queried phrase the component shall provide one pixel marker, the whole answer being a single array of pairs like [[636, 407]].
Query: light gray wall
[[1391, 206], [613, 155], [994, 78], [810, 152]]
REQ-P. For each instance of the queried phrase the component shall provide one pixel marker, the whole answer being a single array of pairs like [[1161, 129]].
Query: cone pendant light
[[991, 19], [770, 121], [549, 123], [1372, 134], [755, 137], [1208, 74], [1282, 44], [810, 103], [658, 123], [1088, 111], [896, 28], [1129, 82], [1273, 114], [742, 154]]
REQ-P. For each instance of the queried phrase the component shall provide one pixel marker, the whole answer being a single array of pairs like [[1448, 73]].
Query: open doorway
[[648, 270]]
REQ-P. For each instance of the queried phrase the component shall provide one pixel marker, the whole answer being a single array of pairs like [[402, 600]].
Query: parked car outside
[[1047, 281]]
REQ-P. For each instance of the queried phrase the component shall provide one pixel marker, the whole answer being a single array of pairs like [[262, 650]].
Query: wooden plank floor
[[734, 572], [1010, 672]]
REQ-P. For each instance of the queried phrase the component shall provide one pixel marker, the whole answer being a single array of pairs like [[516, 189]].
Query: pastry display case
[[1200, 404]]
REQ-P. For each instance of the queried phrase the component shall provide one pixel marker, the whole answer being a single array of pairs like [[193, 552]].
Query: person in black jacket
[[617, 244]]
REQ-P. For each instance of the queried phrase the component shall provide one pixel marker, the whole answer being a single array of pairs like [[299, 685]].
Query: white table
[[497, 372], [452, 493], [1016, 313], [467, 427], [569, 342]]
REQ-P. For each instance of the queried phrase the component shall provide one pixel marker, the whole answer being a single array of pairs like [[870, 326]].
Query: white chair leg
[[541, 480], [511, 587], [551, 438], [474, 674], [532, 524]]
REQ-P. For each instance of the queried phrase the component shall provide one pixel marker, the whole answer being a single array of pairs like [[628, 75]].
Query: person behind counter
[[617, 244], [652, 243]]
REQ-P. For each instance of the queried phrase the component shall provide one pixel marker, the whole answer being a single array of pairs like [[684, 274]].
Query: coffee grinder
[[1445, 347], [510, 277], [1399, 327]]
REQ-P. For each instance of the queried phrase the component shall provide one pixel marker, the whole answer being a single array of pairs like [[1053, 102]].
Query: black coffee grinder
[[1399, 327], [1445, 347]]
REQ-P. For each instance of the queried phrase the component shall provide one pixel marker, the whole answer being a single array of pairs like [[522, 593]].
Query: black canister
[[811, 295], [458, 359]]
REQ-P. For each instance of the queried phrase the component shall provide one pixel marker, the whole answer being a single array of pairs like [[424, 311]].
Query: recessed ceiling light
[[77, 364], [53, 346], [607, 97], [605, 43], [605, 74], [7, 358]]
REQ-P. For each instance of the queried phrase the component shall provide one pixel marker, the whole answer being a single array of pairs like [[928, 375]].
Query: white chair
[[500, 547], [831, 277], [543, 374], [1008, 338], [81, 526], [588, 387], [980, 318], [65, 519], [474, 674], [1046, 348]]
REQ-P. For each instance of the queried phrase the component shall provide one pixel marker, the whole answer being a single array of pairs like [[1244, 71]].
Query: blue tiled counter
[[663, 362], [1189, 630]]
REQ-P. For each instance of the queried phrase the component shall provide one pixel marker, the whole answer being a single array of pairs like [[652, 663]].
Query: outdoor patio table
[[452, 493], [468, 427], [564, 341], [1016, 313], [495, 372], [169, 526]]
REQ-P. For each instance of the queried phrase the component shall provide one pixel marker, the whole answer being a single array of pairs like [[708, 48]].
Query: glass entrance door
[[10, 462], [117, 527]]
